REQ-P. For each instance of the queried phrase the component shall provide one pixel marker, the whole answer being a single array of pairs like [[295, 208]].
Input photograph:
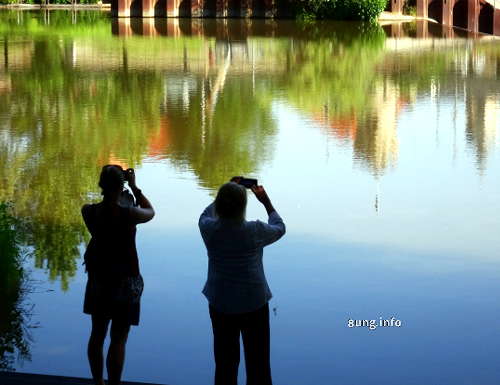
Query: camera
[[127, 172], [248, 182]]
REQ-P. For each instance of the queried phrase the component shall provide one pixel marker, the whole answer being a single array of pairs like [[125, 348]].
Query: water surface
[[378, 145]]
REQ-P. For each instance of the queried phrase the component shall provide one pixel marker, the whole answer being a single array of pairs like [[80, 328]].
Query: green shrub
[[365, 10], [410, 7]]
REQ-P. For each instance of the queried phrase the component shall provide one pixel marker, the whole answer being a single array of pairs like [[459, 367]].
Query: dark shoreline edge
[[16, 378]]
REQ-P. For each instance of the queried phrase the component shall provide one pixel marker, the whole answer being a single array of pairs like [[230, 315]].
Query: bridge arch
[[234, 8], [435, 10], [460, 14], [258, 8], [136, 8], [185, 8], [209, 8], [486, 17], [160, 7]]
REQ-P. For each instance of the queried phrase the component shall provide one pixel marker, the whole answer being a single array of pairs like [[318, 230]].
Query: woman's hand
[[131, 177], [263, 198], [261, 194]]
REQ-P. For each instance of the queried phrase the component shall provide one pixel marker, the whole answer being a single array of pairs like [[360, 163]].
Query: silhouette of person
[[114, 285], [236, 287]]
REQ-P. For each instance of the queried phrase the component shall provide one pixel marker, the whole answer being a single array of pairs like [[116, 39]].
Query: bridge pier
[[121, 27], [422, 8], [172, 8], [396, 6], [149, 27], [473, 15], [467, 14], [447, 18], [448, 32], [496, 22], [196, 8], [271, 9], [423, 29], [394, 30], [123, 7], [148, 8], [220, 8], [246, 8]]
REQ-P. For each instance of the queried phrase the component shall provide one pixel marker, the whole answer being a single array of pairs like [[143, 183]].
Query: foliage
[[74, 97], [362, 10], [14, 315], [59, 22], [410, 7], [409, 10], [67, 124], [65, 120], [334, 79], [234, 138], [73, 123], [337, 71]]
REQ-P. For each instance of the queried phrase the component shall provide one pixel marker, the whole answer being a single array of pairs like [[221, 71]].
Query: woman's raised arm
[[145, 212]]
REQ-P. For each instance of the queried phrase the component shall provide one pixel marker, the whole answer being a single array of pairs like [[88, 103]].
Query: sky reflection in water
[[381, 154]]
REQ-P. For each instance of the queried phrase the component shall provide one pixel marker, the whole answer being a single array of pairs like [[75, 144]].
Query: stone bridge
[[473, 15], [197, 8]]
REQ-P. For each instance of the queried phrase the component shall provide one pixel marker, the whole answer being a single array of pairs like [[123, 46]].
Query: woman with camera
[[236, 286], [114, 285]]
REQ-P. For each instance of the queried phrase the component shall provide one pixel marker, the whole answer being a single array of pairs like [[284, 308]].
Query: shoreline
[[55, 6], [388, 16], [19, 378]]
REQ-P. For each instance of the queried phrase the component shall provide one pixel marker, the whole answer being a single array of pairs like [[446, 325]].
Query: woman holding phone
[[236, 286], [114, 285]]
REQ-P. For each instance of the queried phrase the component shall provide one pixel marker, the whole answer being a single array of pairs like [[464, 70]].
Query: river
[[379, 146]]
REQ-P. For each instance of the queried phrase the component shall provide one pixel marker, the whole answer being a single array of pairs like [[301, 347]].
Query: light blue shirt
[[236, 282]]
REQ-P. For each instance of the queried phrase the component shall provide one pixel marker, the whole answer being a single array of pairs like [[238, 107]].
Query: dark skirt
[[102, 299]]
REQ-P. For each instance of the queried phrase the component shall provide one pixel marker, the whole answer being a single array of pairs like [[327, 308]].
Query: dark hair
[[111, 179], [231, 201]]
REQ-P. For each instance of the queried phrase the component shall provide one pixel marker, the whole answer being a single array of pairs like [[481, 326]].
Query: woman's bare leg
[[116, 352], [94, 349]]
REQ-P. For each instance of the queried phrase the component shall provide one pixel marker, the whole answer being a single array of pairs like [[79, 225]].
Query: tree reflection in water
[[74, 97], [67, 124], [15, 313], [63, 120]]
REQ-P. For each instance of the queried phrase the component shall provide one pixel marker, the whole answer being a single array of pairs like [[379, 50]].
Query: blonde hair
[[231, 201]]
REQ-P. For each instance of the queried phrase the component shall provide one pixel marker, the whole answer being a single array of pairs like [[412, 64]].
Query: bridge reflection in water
[[240, 29]]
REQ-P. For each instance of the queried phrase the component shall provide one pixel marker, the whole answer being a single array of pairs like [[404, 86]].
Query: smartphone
[[248, 182]]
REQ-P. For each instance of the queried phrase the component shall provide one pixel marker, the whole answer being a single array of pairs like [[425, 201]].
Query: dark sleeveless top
[[111, 253]]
